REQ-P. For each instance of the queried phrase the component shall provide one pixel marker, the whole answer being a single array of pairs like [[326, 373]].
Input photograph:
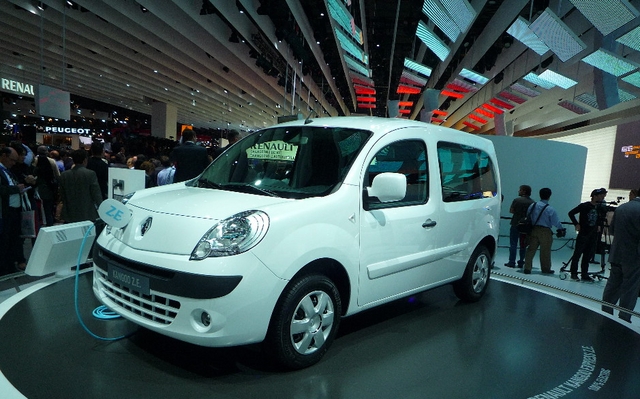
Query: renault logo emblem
[[145, 226]]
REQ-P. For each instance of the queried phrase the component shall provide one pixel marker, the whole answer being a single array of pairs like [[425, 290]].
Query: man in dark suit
[[97, 164], [10, 190], [189, 159], [79, 191]]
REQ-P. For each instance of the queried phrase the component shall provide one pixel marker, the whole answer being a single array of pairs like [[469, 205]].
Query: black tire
[[473, 284], [312, 303]]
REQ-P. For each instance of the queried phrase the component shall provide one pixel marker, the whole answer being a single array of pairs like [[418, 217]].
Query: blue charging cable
[[101, 312]]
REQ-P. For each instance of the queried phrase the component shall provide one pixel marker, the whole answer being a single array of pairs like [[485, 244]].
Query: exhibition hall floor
[[530, 336]]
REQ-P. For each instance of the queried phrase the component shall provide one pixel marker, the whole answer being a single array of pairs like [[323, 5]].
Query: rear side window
[[408, 157], [466, 173]]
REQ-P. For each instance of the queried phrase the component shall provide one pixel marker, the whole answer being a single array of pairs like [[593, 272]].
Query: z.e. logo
[[115, 213]]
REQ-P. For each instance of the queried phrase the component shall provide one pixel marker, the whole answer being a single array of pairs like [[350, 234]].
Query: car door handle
[[428, 223]]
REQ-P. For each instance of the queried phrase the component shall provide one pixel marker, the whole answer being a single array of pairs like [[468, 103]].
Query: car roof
[[382, 126]]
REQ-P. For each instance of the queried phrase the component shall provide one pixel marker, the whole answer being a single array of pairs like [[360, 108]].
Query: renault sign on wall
[[17, 87]]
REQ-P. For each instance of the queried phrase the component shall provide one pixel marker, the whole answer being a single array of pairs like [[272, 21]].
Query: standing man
[[624, 278], [10, 190], [97, 164], [518, 208], [544, 218], [232, 137], [79, 191], [591, 219], [189, 159]]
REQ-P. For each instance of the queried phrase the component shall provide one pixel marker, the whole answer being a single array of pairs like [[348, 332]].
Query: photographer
[[589, 225]]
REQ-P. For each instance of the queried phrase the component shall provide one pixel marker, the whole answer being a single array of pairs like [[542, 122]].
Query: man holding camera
[[592, 215]]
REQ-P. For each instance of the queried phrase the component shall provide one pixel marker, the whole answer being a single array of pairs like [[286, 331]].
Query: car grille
[[156, 308]]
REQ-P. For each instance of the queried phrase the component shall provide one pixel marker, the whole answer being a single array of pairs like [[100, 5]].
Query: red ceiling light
[[364, 90], [404, 111], [501, 103], [471, 125], [512, 97], [404, 89], [477, 118], [440, 112], [437, 120], [493, 109], [485, 113], [366, 105], [453, 94], [405, 104], [459, 88], [366, 99]]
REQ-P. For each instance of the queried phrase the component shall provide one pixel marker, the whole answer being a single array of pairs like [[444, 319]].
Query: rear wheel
[[304, 322], [473, 284]]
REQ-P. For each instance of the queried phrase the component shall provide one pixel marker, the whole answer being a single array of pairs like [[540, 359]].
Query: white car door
[[399, 240]]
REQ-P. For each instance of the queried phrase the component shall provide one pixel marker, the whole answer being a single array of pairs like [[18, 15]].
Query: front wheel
[[304, 322], [474, 281]]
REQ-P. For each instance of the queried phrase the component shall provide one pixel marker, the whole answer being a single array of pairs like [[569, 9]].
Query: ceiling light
[[453, 94], [471, 125], [350, 46], [493, 109], [423, 69], [439, 16], [412, 79], [589, 99], [625, 96], [405, 104], [557, 79], [364, 90], [606, 15], [557, 35], [477, 118], [366, 105], [366, 99], [631, 39], [460, 11], [573, 107], [485, 113], [536, 80], [432, 41], [404, 89], [522, 89], [610, 63], [501, 103], [633, 79], [356, 66], [512, 97], [473, 76], [520, 31]]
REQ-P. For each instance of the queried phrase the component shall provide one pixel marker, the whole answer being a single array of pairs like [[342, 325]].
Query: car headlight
[[234, 235]]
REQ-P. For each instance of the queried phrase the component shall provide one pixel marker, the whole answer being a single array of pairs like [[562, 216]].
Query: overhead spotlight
[[143, 9], [234, 37], [42, 6]]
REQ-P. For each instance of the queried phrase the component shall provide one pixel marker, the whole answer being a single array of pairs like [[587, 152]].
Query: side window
[[408, 157], [466, 173]]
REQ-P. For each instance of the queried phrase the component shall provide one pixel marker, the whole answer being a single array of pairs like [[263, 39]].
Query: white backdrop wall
[[600, 146], [540, 163]]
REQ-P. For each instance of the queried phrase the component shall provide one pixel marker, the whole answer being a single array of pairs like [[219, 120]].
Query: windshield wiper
[[249, 188], [207, 183]]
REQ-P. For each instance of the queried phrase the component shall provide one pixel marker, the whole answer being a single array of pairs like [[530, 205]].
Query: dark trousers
[[10, 241], [516, 238], [585, 248]]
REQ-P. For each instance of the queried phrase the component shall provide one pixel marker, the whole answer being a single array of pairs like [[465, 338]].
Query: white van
[[300, 224]]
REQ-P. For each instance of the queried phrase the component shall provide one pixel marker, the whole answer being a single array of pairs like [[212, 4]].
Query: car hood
[[172, 220], [199, 202]]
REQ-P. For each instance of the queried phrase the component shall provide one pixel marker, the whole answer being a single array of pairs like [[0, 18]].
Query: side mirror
[[388, 187]]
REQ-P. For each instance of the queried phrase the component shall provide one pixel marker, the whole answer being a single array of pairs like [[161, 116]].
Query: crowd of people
[[60, 185], [623, 282]]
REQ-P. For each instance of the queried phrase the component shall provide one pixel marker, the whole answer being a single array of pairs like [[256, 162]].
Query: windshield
[[290, 162]]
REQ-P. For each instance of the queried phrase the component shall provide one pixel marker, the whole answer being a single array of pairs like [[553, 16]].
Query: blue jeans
[[515, 238]]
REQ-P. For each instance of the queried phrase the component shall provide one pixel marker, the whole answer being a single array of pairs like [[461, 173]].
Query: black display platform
[[515, 343]]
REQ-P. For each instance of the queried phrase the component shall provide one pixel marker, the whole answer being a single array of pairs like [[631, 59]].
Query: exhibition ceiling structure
[[521, 67]]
